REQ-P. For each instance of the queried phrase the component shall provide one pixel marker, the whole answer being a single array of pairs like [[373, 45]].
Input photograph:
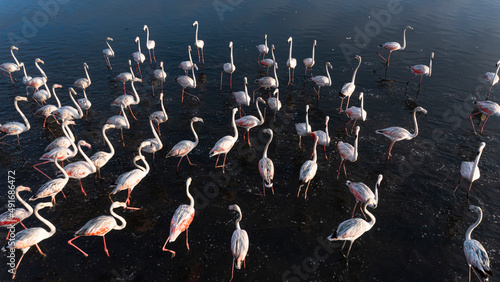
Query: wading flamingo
[[487, 108], [266, 166], [239, 242], [263, 49], [11, 67], [125, 77], [268, 82], [11, 218], [348, 152], [128, 100], [308, 169], [321, 80], [490, 78], [160, 75], [393, 46], [138, 56], [184, 147], [224, 145], [186, 81], [26, 78], [47, 110], [101, 158], [355, 113], [37, 82], [249, 122], [150, 44], [156, 144], [83, 83], [54, 186], [242, 97], [68, 112], [421, 70], [81, 169], [229, 68], [470, 170], [120, 122], [63, 141], [14, 127], [349, 87], [108, 52], [303, 129], [187, 65], [324, 136], [309, 62], [41, 95], [274, 103], [291, 63], [362, 193], [267, 63], [199, 43], [159, 116]]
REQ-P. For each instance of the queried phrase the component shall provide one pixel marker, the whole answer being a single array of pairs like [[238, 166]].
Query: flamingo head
[[43, 205], [245, 80], [481, 146], [420, 109], [196, 119], [432, 56], [348, 183], [21, 64], [357, 57], [136, 79], [14, 48], [195, 67], [108, 126], [268, 131], [475, 209], [84, 143], [289, 39], [38, 60], [371, 203], [189, 48], [261, 100], [66, 122], [361, 96], [137, 39], [329, 65], [230, 44], [161, 64], [235, 110], [380, 178], [85, 65], [20, 98], [409, 27], [188, 182], [327, 119], [22, 188], [118, 205], [314, 44], [265, 36], [498, 64], [235, 207], [195, 23], [307, 108], [72, 91], [145, 27], [144, 144], [276, 92], [109, 38], [356, 131], [57, 86], [272, 47]]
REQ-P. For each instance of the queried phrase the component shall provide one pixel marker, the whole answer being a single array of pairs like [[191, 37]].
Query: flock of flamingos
[[66, 147]]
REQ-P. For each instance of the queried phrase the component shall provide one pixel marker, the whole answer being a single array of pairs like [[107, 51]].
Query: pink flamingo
[[11, 67], [128, 100], [355, 113], [324, 137], [54, 186], [63, 141], [239, 242], [249, 122], [303, 129], [159, 116], [125, 77], [395, 133], [101, 158], [181, 220], [108, 52], [100, 226], [229, 68], [81, 169], [224, 145], [309, 169], [274, 103], [138, 56], [263, 49], [393, 46], [353, 228], [268, 82], [362, 193], [267, 63], [470, 170], [25, 239], [490, 78], [14, 127], [10, 218], [47, 110], [348, 152], [349, 87], [184, 147], [309, 62], [291, 63], [199, 43], [150, 44], [321, 80], [421, 70], [37, 82], [266, 166], [160, 75], [487, 108], [242, 97]]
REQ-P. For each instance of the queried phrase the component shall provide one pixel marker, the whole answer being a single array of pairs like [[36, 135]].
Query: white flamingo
[[150, 44], [349, 87], [47, 110], [138, 56], [159, 116], [128, 100], [355, 113], [229, 68], [263, 49], [41, 95], [81, 169], [470, 170], [348, 152], [53, 186], [120, 122], [101, 158], [199, 43], [186, 81], [11, 67], [187, 65], [268, 82], [37, 82], [303, 129], [68, 112], [274, 103], [83, 83], [395, 133], [156, 144], [490, 78], [108, 52], [160, 75], [125, 77], [266, 165], [12, 217], [362, 193], [267, 63], [63, 141], [14, 127], [475, 253], [308, 170], [25, 239], [393, 46], [324, 136], [248, 122], [487, 108], [239, 242], [421, 70], [242, 97], [224, 145], [321, 80], [184, 147], [291, 63], [26, 78], [309, 62]]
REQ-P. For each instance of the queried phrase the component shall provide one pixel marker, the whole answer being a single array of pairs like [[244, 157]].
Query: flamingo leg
[[81, 186], [348, 99], [248, 133], [152, 87], [390, 148], [185, 92], [139, 70], [353, 125], [232, 272], [388, 58], [305, 194], [216, 162], [324, 148], [105, 248], [355, 205], [187, 243], [167, 250], [253, 93], [71, 243], [409, 81], [298, 192], [340, 166], [128, 197], [300, 141], [221, 74], [224, 163], [378, 53], [341, 103], [150, 61], [177, 169], [35, 167], [289, 77], [199, 55], [362, 211], [7, 238], [470, 117], [477, 93], [154, 58], [231, 81], [189, 160], [305, 72], [293, 74], [350, 246], [123, 140], [344, 169], [484, 124], [40, 250], [468, 190], [420, 83], [202, 57], [132, 113], [488, 96], [63, 196], [17, 265], [20, 222]]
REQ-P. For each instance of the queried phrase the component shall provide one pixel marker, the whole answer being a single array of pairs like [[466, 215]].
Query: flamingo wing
[[223, 145], [181, 220], [477, 257], [98, 226], [239, 246], [266, 170]]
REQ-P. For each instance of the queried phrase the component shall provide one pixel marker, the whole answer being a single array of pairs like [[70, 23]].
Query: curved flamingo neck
[[326, 130], [79, 109], [264, 155], [373, 219], [163, 106], [139, 47], [404, 40], [354, 74], [196, 139], [66, 176], [307, 120], [274, 67], [131, 71], [190, 58], [28, 126], [265, 41], [196, 36], [356, 147], [416, 125], [40, 69], [13, 56], [238, 220], [126, 119], [26, 205], [246, 88], [191, 200], [68, 133], [24, 70], [194, 78], [121, 219], [430, 66], [87, 159], [290, 53], [55, 96], [48, 223], [328, 74], [476, 162], [111, 49], [315, 155], [155, 133], [234, 127], [473, 226], [147, 34], [314, 48], [496, 73], [376, 190], [260, 114], [111, 148], [362, 105], [87, 73], [137, 98]]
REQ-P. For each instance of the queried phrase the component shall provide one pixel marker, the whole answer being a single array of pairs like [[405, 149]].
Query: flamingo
[[181, 220], [268, 82], [26, 78], [53, 186], [101, 158], [68, 112], [128, 100], [63, 141], [125, 77], [184, 147], [239, 242], [309, 169], [120, 122], [187, 65], [41, 95], [353, 228], [156, 144], [470, 170], [150, 44], [349, 87], [199, 43], [36, 82], [186, 81], [309, 62], [393, 46], [395, 133], [108, 52], [321, 80], [421, 70], [263, 49], [266, 166], [224, 145], [11, 67], [25, 239], [128, 180], [81, 169], [362, 193], [249, 122], [229, 68], [475, 253], [14, 127], [267, 63], [12, 217], [324, 136], [291, 63], [242, 97], [487, 108], [303, 129], [83, 83], [274, 102], [138, 56], [47, 110], [348, 152], [159, 116], [100, 226], [491, 79], [355, 113], [159, 74]]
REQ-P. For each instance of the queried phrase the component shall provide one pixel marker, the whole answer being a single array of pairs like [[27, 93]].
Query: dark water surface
[[420, 224]]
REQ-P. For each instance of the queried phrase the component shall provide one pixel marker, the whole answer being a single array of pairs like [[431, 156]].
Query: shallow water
[[420, 224]]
